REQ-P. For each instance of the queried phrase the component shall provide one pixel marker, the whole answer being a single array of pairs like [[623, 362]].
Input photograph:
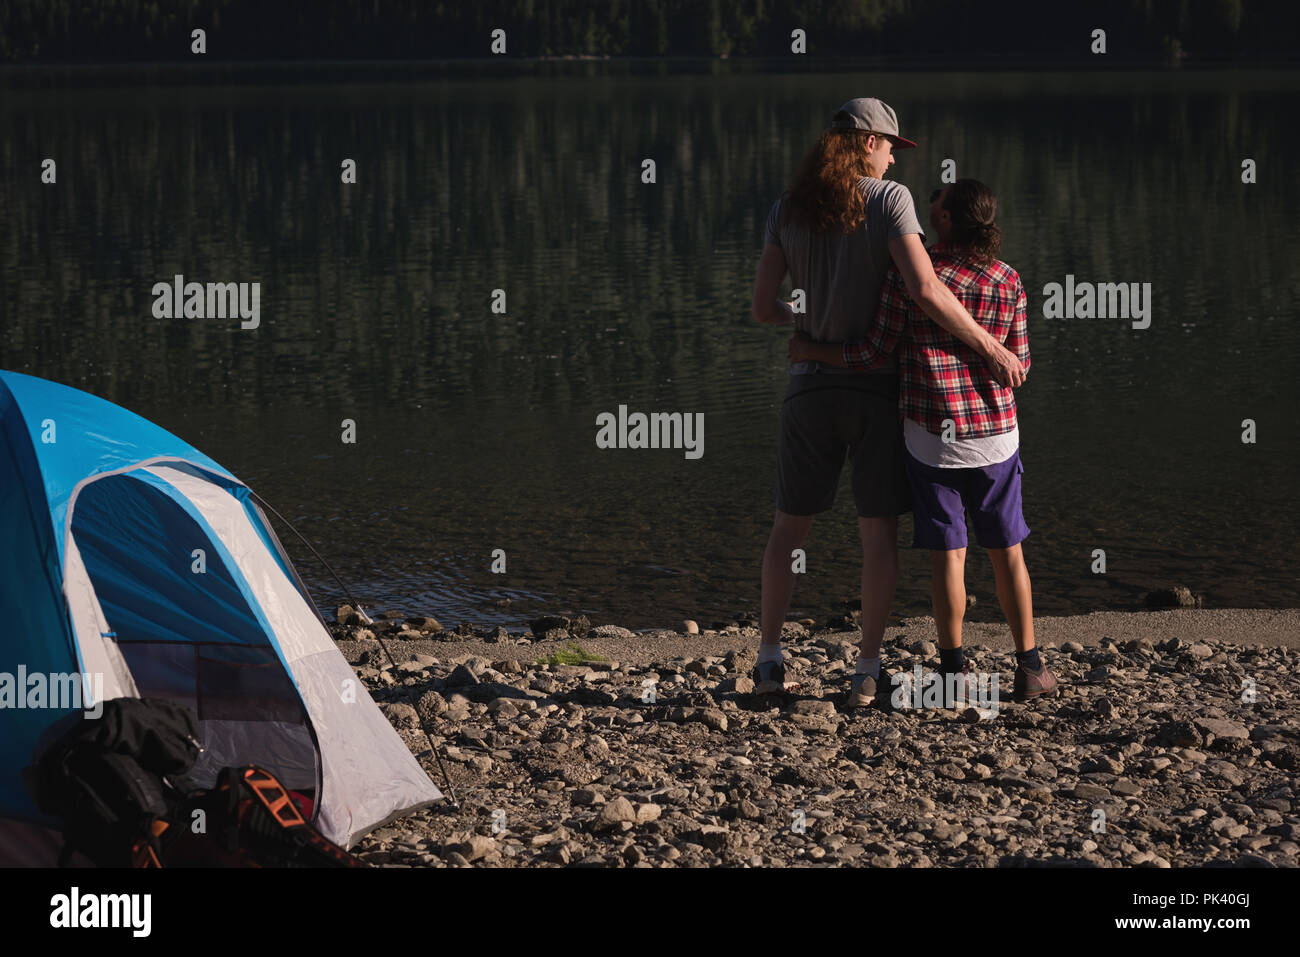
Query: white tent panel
[[99, 653]]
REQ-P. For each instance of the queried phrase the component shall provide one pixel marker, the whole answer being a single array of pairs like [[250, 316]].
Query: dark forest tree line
[[108, 31]]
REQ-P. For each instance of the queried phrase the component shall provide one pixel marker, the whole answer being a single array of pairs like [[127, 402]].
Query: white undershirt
[[932, 450]]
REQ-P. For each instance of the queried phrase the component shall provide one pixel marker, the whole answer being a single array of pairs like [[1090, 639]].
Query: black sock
[[951, 660], [1030, 658]]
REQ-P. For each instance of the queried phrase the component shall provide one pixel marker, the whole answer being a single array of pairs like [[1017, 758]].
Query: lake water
[[476, 430]]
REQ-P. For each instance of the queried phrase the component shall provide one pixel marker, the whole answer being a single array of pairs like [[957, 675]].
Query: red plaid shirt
[[940, 376]]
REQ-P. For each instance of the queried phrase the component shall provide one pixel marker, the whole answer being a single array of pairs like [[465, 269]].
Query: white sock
[[768, 653], [868, 666]]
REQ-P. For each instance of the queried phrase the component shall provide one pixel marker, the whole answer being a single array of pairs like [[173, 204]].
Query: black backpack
[[106, 778]]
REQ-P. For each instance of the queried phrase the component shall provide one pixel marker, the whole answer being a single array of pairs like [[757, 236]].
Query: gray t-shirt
[[841, 275]]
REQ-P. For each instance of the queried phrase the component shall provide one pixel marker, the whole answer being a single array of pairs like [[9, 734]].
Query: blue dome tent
[[135, 563]]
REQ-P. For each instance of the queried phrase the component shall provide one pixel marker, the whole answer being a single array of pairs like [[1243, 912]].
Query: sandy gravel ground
[[1174, 740]]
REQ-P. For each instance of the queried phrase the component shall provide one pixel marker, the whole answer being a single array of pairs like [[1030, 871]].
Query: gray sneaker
[[862, 693], [769, 678]]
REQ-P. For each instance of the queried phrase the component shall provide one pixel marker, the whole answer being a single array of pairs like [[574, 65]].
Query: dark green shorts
[[823, 419]]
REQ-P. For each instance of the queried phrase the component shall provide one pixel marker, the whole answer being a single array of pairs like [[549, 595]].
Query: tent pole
[[423, 727], [346, 593]]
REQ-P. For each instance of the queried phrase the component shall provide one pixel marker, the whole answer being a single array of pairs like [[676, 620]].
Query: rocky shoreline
[[1153, 754]]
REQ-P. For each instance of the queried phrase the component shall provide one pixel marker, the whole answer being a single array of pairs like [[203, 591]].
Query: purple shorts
[[942, 498]]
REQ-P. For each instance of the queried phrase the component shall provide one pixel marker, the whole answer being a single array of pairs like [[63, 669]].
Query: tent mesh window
[[186, 630]]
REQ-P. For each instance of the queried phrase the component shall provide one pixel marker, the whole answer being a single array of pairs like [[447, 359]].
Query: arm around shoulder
[[938, 302], [935, 299]]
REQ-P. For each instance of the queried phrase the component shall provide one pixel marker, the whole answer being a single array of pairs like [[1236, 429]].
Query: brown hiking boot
[[1033, 684], [966, 688]]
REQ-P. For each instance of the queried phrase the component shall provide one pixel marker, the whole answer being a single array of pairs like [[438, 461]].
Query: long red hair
[[825, 196]]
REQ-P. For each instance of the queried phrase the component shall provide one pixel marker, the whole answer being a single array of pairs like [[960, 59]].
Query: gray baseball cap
[[874, 116]]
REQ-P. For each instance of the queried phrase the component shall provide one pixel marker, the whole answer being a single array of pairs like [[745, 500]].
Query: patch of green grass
[[571, 654]]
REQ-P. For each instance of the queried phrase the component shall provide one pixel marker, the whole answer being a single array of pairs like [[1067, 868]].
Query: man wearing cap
[[835, 231]]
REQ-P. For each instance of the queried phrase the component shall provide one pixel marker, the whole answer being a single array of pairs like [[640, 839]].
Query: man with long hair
[[836, 231]]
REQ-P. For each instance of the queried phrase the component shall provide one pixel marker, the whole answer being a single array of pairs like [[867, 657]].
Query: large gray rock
[[1221, 728], [715, 838], [347, 615], [461, 677], [741, 684], [813, 706], [610, 631], [1090, 792], [1179, 734], [712, 718], [540, 626], [431, 705], [614, 813], [400, 715], [476, 848], [1177, 597]]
